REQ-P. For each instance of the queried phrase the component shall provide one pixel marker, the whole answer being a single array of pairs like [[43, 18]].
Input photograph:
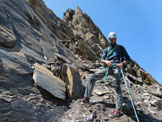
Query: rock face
[[29, 33], [35, 45]]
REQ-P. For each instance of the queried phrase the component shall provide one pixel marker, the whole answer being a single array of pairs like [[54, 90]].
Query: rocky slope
[[44, 64]]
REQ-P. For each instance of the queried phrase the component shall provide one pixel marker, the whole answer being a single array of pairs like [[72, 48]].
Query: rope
[[129, 95], [106, 75]]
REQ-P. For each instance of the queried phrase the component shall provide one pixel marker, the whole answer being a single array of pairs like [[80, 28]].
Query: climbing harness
[[107, 71]]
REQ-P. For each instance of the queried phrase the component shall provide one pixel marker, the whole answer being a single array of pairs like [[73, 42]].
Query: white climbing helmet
[[112, 35]]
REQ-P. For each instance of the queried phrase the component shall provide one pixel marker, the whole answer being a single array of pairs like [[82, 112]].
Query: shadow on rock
[[54, 101], [109, 105]]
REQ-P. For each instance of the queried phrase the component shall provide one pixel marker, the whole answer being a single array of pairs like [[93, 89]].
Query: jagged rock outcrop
[[88, 39], [138, 75], [30, 33]]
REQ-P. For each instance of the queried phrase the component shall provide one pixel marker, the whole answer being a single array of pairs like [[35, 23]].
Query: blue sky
[[138, 24]]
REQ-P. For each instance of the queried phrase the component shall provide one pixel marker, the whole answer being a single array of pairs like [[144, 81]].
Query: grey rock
[[46, 80]]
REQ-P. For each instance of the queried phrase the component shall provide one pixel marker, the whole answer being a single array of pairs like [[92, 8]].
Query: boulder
[[45, 79], [72, 77]]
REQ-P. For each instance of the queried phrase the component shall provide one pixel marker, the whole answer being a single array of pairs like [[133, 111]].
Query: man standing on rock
[[113, 57]]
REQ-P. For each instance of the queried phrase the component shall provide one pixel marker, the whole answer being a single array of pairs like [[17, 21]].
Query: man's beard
[[113, 44]]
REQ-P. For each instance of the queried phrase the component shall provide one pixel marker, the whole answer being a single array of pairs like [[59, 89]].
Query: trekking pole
[[129, 94]]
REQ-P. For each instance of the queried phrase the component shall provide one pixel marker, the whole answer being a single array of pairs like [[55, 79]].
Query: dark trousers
[[115, 72]]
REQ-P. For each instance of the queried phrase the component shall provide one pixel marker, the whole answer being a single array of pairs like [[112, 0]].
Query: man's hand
[[108, 63], [125, 62], [119, 65]]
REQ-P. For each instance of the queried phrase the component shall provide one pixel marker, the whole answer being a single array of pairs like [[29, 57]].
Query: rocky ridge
[[43, 58]]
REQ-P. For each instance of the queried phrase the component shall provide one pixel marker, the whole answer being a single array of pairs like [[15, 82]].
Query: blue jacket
[[119, 55]]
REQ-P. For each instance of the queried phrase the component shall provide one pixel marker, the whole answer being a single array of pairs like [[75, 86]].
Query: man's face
[[113, 41]]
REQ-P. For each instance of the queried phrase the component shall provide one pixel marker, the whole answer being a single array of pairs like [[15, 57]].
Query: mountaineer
[[114, 58]]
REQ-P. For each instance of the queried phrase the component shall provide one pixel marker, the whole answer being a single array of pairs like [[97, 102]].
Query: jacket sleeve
[[104, 54], [125, 54]]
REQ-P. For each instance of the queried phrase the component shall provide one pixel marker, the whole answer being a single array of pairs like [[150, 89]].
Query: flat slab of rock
[[45, 79], [101, 92]]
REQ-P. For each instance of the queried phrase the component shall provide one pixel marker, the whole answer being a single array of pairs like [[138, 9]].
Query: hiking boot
[[116, 113], [85, 100]]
